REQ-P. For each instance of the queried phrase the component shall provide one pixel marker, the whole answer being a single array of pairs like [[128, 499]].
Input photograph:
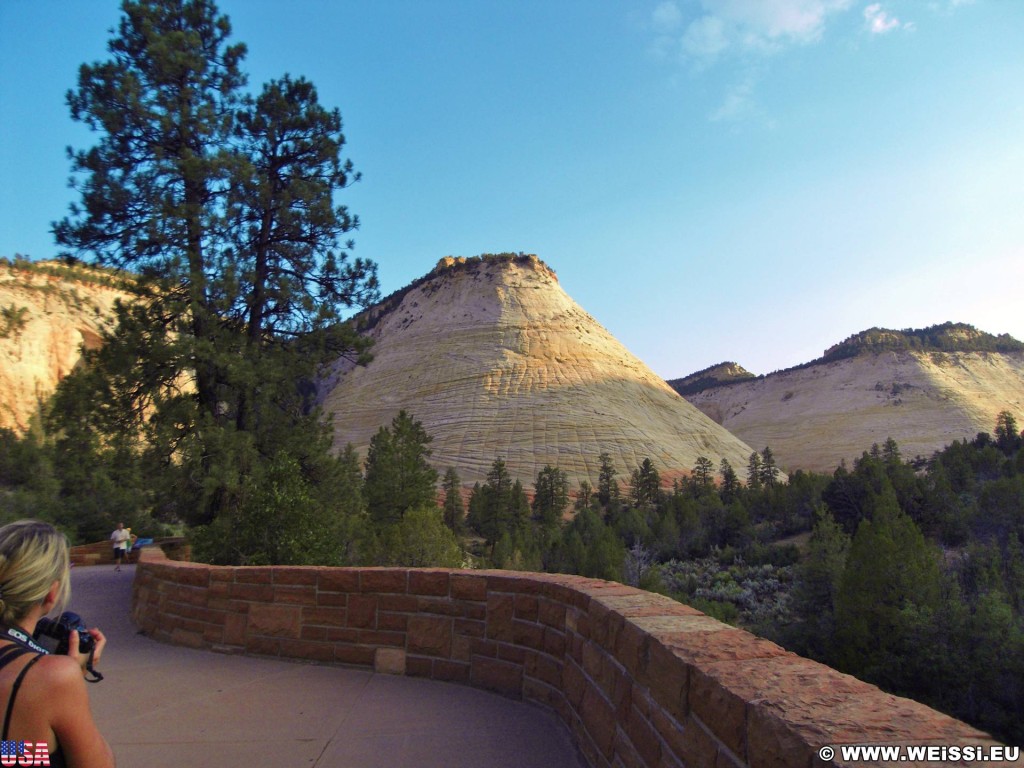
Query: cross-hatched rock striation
[[497, 360]]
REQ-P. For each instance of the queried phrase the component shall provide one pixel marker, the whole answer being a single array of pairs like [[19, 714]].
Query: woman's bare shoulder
[[58, 673]]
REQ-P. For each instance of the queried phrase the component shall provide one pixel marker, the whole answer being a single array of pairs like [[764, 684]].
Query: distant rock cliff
[[48, 313], [922, 388], [497, 360]]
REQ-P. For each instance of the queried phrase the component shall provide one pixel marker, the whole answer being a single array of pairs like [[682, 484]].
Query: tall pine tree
[[222, 206]]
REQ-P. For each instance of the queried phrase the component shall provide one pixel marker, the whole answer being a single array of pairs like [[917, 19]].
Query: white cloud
[[748, 26], [738, 105], [705, 38], [667, 17], [879, 22]]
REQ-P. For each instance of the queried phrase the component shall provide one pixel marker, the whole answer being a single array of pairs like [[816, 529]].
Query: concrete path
[[162, 706]]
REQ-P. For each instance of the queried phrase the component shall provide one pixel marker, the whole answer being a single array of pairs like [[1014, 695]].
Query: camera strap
[[96, 676], [25, 640], [22, 639]]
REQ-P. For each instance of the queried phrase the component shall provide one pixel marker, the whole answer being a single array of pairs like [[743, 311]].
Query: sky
[[744, 180]]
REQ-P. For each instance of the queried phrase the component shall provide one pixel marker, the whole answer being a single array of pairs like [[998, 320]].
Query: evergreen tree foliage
[[645, 484], [282, 523], [703, 470], [891, 569], [891, 452], [398, 473], [584, 497], [768, 472], [730, 481], [222, 206], [607, 485], [454, 510], [551, 497], [817, 586], [499, 506], [590, 548], [420, 539], [1008, 437], [754, 476]]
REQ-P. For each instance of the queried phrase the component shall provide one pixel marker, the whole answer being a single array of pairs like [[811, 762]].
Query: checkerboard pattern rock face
[[495, 359], [639, 679]]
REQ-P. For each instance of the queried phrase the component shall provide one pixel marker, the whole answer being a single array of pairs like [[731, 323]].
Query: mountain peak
[[483, 261], [713, 376], [497, 360]]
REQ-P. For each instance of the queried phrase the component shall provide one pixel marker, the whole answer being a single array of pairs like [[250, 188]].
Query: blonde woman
[[44, 696]]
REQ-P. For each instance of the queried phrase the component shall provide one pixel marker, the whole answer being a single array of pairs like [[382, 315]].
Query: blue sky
[[748, 180]]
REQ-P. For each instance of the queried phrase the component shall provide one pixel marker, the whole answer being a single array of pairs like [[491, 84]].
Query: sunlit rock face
[[818, 415], [49, 313], [497, 360]]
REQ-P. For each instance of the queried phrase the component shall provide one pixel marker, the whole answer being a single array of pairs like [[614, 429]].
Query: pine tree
[[491, 503], [454, 512], [222, 207], [891, 452], [890, 568], [818, 580], [769, 471], [702, 471], [551, 496], [754, 476], [1008, 439], [607, 485], [398, 474], [730, 484], [584, 496], [420, 540], [645, 484]]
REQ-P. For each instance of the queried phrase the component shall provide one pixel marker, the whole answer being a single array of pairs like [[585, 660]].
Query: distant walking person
[[120, 537]]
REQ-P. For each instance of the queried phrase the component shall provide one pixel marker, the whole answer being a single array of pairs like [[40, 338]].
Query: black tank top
[[7, 655]]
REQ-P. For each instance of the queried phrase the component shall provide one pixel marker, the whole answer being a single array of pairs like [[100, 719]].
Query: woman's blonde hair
[[33, 555]]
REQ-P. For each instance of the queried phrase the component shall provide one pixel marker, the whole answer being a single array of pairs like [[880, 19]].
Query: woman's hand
[[99, 643]]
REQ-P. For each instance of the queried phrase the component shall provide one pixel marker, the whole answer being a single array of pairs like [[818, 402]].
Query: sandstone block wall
[[97, 553], [102, 552], [639, 679]]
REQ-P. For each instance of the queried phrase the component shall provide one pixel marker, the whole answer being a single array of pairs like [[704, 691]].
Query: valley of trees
[[907, 574]]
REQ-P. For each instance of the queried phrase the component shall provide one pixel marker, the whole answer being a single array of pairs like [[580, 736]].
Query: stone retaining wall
[[102, 552], [97, 553], [639, 679]]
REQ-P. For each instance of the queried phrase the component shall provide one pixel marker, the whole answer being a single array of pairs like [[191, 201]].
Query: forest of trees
[[906, 574]]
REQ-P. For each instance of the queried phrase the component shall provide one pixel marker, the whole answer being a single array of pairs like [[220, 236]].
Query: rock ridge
[[51, 312], [817, 415]]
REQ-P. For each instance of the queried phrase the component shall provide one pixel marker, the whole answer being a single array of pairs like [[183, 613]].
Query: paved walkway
[[161, 705]]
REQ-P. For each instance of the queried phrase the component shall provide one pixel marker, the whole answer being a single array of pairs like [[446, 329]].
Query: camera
[[58, 631]]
